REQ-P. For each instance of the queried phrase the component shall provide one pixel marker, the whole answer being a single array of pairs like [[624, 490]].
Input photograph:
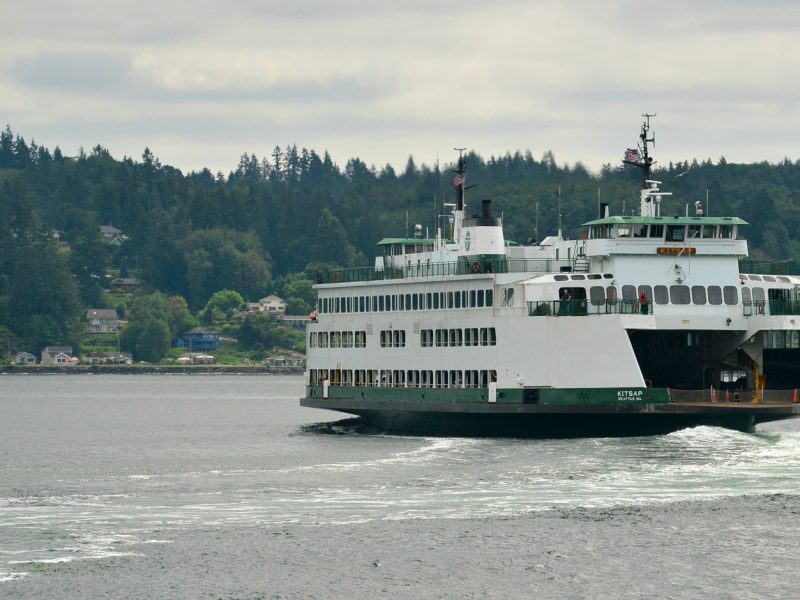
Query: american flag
[[632, 155], [458, 180]]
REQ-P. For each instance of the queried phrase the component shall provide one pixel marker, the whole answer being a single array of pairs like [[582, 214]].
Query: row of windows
[[412, 378], [393, 338], [471, 336], [669, 233], [337, 339], [683, 294], [779, 339], [417, 301]]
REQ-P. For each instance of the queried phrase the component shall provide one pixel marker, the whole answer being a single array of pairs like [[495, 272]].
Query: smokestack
[[603, 210], [486, 210]]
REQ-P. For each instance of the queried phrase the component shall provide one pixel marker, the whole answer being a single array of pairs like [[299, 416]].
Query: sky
[[201, 83]]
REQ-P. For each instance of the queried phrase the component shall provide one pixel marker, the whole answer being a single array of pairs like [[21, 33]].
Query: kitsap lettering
[[629, 394]]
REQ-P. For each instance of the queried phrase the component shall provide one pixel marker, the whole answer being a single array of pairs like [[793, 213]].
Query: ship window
[[577, 277], [471, 336], [608, 276], [480, 298], [675, 233], [380, 303], [394, 302], [597, 295], [560, 278], [415, 298], [383, 339], [441, 337], [490, 297], [312, 339], [611, 293], [374, 304], [629, 292], [714, 295], [679, 294], [594, 276], [709, 231], [408, 302], [456, 337], [426, 338], [457, 299], [337, 305], [464, 298], [361, 304], [784, 279], [401, 302], [698, 294], [436, 301], [623, 231], [769, 278], [361, 339], [472, 298], [657, 231], [755, 277], [731, 295], [746, 299], [660, 294], [450, 300], [323, 339], [694, 232], [726, 231], [640, 231], [510, 300], [336, 339]]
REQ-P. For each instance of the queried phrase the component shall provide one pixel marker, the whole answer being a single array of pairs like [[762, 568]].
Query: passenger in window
[[643, 302]]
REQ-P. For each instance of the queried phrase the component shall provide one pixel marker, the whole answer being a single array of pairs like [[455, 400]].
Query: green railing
[[771, 308], [582, 308], [769, 267], [466, 266]]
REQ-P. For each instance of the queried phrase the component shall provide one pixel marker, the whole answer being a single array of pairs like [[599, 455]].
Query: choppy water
[[223, 487]]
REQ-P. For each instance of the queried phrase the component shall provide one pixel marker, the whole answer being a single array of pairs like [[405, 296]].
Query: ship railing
[[582, 308], [733, 395], [770, 308], [464, 266]]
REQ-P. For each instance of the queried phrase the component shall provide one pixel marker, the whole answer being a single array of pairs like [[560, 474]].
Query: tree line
[[272, 223]]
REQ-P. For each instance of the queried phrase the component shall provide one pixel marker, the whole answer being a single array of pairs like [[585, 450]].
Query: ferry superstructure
[[646, 324]]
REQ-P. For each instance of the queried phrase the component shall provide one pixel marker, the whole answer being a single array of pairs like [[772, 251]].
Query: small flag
[[458, 180], [633, 155]]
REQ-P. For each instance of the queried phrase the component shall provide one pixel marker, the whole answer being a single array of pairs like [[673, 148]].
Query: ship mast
[[458, 183], [650, 199]]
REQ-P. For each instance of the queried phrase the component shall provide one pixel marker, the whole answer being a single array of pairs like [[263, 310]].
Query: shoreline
[[149, 370]]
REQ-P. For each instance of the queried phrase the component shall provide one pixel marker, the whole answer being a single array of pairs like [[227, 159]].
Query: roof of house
[[272, 298], [201, 331], [109, 229], [101, 313], [125, 281], [57, 349]]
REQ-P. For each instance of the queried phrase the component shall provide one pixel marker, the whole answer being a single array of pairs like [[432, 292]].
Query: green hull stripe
[[543, 396]]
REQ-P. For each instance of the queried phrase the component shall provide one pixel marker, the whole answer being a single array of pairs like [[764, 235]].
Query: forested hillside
[[266, 226]]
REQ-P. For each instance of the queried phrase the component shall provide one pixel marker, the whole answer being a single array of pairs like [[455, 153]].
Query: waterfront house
[[198, 340], [58, 355], [114, 358], [24, 358]]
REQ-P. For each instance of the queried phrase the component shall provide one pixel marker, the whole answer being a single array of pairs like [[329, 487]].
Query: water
[[223, 487]]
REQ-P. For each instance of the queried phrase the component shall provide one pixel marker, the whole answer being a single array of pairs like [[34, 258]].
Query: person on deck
[[643, 302]]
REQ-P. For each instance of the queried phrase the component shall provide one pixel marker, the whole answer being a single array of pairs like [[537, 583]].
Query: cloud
[[382, 80]]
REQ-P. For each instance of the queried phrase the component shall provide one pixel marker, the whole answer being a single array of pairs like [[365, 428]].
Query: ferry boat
[[646, 324]]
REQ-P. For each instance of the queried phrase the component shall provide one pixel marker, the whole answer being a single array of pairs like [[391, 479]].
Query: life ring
[[475, 267], [313, 316]]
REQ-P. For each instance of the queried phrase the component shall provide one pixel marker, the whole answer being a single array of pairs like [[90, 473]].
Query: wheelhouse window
[[731, 295], [676, 233], [714, 295], [657, 231]]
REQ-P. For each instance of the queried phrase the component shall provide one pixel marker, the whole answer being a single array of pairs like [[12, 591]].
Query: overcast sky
[[201, 82]]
